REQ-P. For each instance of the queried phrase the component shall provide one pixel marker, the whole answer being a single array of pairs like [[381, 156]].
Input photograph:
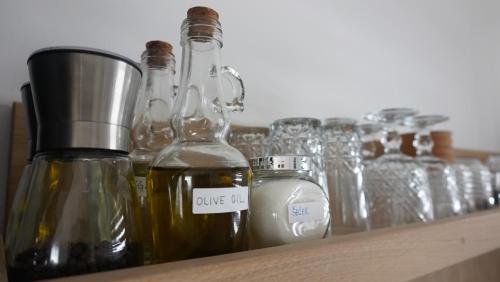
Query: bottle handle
[[238, 89]]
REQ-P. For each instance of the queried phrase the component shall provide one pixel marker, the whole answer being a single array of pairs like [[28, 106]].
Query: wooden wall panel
[[18, 154]]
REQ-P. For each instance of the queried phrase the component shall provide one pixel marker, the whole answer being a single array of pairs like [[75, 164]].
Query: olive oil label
[[220, 200], [140, 184], [305, 212]]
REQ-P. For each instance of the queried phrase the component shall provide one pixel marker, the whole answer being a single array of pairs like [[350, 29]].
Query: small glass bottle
[[348, 199], [287, 204], [198, 185], [151, 130]]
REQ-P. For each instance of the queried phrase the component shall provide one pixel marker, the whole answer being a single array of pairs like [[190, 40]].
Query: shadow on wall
[[5, 124]]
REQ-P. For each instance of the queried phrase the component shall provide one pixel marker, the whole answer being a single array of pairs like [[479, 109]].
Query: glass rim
[[315, 123], [340, 121], [424, 121]]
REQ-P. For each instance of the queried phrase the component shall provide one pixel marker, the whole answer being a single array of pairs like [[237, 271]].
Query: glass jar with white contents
[[286, 204]]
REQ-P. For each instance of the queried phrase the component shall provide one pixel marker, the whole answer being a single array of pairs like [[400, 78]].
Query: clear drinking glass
[[481, 179], [397, 185], [369, 134], [300, 136], [188, 179], [465, 184], [251, 141], [350, 210], [493, 164], [442, 177]]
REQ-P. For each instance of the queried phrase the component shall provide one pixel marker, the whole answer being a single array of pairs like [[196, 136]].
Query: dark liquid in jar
[[36, 263], [180, 234]]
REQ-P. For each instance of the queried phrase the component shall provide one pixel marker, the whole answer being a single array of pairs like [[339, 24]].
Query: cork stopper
[[158, 52], [157, 46], [203, 22], [202, 12]]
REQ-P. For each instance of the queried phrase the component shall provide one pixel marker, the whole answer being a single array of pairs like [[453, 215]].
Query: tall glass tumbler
[[251, 141], [300, 136], [465, 184], [493, 164], [344, 169], [481, 179]]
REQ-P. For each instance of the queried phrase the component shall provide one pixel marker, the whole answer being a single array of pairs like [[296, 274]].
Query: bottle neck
[[423, 142], [159, 83], [151, 126], [200, 113], [158, 88], [391, 141]]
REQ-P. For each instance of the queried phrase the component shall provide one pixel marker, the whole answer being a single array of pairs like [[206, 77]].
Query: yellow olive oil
[[182, 232], [140, 172]]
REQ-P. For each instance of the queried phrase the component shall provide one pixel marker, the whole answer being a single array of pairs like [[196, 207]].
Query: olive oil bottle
[[197, 187], [197, 235], [151, 130]]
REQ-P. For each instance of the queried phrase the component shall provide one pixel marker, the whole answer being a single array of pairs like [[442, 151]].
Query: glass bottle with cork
[[151, 130], [198, 186]]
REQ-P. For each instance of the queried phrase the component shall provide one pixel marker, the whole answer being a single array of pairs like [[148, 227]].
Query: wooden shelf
[[457, 249]]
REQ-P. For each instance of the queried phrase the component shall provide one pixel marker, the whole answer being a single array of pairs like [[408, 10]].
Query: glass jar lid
[[281, 163]]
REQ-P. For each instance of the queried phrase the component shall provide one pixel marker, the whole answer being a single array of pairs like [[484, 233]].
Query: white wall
[[298, 58]]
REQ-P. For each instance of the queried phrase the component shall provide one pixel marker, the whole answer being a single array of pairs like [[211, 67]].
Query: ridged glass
[[251, 141], [300, 136], [442, 177], [344, 167], [481, 180], [397, 185]]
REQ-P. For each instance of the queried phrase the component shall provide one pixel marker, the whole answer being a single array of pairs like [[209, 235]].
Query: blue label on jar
[[305, 212]]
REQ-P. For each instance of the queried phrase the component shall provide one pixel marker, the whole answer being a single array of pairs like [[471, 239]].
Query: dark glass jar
[[81, 215]]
